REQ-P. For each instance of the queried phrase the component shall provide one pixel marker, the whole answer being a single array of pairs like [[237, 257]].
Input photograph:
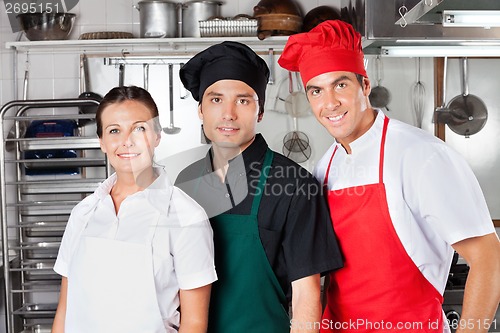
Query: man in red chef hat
[[401, 202]]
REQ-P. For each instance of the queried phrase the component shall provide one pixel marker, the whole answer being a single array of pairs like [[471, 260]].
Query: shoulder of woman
[[85, 206], [186, 209]]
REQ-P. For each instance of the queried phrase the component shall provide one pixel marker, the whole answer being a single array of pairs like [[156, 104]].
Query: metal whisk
[[418, 98]]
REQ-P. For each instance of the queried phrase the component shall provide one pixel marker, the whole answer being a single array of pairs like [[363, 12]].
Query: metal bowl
[[46, 26]]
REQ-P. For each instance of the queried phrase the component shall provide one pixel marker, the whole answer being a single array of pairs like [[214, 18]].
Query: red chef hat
[[331, 46]]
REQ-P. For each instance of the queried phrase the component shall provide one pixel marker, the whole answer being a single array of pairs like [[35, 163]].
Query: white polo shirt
[[183, 252], [433, 196]]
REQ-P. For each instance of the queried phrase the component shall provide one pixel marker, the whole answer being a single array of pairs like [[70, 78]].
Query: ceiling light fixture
[[440, 51], [471, 18]]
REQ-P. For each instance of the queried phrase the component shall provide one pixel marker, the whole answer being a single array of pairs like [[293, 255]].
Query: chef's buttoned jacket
[[293, 219], [182, 244]]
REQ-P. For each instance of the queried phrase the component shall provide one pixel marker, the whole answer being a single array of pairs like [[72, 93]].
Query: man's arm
[[59, 319], [306, 305], [482, 289], [194, 309]]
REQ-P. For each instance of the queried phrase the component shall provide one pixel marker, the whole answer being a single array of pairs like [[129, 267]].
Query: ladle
[[171, 129], [379, 96]]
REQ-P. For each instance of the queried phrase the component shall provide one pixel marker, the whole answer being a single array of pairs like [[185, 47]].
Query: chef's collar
[[253, 153], [156, 193], [369, 136]]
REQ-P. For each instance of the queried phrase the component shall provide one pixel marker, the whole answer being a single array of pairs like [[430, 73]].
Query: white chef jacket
[[433, 196], [183, 252]]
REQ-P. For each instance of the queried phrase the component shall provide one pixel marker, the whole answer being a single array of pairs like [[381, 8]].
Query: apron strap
[[381, 162], [382, 150], [325, 181], [262, 181]]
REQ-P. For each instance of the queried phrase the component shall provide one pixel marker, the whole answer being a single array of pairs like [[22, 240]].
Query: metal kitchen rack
[[36, 207]]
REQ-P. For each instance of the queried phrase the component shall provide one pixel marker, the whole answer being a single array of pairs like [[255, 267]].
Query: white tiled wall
[[56, 75], [94, 15]]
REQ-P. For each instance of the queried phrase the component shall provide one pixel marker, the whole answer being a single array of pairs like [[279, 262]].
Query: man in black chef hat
[[272, 230]]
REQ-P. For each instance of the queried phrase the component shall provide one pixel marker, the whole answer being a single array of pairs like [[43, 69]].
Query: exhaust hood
[[426, 27]]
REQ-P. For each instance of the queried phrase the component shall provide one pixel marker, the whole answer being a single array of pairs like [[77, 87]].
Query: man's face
[[341, 104], [230, 113]]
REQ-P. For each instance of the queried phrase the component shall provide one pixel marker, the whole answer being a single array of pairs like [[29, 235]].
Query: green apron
[[247, 298]]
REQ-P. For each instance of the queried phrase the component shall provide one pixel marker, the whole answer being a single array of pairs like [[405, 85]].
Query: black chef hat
[[225, 61]]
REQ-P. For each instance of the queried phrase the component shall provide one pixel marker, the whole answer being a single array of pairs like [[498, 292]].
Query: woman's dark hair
[[129, 93]]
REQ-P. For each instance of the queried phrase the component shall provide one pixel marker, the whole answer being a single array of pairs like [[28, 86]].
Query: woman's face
[[128, 136]]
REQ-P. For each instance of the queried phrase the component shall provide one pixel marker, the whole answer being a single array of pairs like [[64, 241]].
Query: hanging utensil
[[184, 93], [418, 98], [86, 92], [441, 111], [171, 129], [295, 143], [121, 75], [468, 111], [296, 104], [379, 96], [11, 145], [145, 72], [271, 66], [26, 77]]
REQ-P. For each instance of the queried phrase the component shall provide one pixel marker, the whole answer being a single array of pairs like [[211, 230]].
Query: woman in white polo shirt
[[138, 251]]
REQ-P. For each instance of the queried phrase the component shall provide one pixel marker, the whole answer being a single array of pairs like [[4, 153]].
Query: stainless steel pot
[[158, 18], [195, 11]]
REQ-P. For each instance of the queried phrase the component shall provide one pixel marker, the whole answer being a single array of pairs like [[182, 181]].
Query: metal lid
[[157, 1], [205, 1]]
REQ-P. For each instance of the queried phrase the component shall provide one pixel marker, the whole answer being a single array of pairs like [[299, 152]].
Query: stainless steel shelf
[[83, 185], [51, 204], [40, 285], [47, 328], [68, 142], [37, 310], [141, 45], [48, 163], [45, 211]]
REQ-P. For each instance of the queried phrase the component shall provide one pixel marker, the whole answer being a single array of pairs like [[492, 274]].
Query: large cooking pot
[[195, 11], [289, 7], [277, 18], [158, 18]]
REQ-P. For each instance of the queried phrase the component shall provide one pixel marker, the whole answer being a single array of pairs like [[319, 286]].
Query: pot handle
[[136, 7], [465, 86], [445, 69]]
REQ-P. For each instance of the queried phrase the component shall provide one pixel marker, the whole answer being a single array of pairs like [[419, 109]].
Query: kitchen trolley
[[49, 161]]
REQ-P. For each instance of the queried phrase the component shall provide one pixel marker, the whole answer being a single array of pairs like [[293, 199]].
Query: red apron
[[379, 289]]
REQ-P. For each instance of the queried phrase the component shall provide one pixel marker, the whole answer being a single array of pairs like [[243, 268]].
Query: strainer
[[296, 143]]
